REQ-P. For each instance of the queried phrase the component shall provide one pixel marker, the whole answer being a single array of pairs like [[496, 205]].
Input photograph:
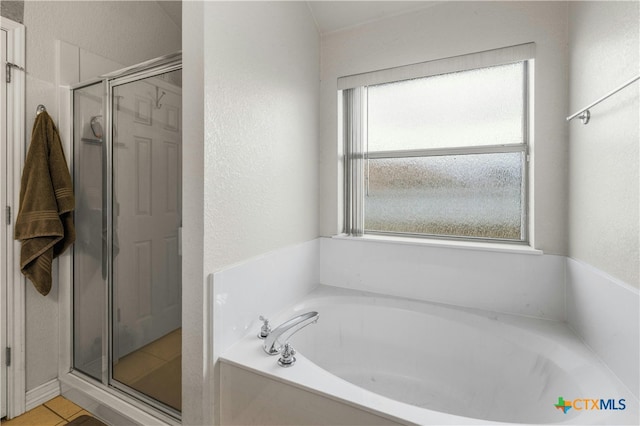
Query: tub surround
[[515, 283], [605, 312], [261, 286], [271, 402]]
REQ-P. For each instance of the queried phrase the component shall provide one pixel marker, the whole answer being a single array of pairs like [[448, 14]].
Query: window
[[439, 155]]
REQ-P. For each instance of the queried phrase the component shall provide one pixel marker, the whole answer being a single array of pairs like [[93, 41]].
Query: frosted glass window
[[439, 156], [459, 195], [469, 108]]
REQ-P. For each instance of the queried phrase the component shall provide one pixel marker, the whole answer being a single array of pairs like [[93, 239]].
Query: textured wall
[[604, 158], [261, 107], [125, 32], [450, 29], [13, 10]]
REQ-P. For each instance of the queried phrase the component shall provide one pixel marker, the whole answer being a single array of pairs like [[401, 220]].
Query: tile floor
[[155, 369], [58, 411]]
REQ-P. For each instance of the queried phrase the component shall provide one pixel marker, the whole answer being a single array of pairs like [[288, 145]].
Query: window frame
[[356, 155]]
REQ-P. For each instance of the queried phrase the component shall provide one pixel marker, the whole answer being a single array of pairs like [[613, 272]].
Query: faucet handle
[[287, 358], [265, 329]]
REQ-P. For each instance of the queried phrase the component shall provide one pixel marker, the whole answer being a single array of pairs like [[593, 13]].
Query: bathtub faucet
[[278, 337]]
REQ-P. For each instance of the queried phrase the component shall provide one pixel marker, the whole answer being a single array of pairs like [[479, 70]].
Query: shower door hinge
[[8, 214], [8, 356]]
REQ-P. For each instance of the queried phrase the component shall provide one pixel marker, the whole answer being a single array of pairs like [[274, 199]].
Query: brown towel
[[45, 220]]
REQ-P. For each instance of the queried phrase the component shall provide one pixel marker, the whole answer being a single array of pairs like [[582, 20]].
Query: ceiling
[[333, 16], [330, 15]]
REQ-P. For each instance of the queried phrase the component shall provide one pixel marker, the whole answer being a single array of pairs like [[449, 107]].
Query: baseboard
[[42, 394]]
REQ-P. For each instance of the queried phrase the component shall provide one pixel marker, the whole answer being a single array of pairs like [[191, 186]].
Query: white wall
[[604, 157], [251, 83], [261, 112], [124, 32], [450, 29]]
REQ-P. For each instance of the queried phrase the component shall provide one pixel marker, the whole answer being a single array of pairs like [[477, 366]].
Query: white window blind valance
[[488, 58]]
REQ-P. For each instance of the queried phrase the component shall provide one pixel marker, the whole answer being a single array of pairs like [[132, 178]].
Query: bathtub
[[373, 359]]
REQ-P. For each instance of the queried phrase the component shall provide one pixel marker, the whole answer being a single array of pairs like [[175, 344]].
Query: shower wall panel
[[89, 266]]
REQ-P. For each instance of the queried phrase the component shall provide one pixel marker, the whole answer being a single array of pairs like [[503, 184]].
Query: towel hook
[[40, 108]]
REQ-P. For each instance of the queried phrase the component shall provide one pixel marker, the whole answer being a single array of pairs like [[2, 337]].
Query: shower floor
[[155, 369]]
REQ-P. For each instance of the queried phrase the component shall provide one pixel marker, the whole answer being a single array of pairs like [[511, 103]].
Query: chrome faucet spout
[[275, 341]]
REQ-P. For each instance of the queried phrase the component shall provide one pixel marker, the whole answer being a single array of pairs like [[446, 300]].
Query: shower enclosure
[[127, 256]]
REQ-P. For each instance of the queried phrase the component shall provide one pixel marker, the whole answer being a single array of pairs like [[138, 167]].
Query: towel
[[45, 220]]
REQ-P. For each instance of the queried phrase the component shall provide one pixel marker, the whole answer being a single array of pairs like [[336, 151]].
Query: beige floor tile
[[135, 365], [62, 407], [62, 423], [167, 347], [163, 384], [39, 416]]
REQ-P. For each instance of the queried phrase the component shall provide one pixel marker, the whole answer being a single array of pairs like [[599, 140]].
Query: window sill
[[464, 245]]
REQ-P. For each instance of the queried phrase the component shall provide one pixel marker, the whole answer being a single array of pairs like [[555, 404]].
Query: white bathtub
[[408, 362]]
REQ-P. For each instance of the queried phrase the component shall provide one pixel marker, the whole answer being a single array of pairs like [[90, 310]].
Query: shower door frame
[[151, 68]]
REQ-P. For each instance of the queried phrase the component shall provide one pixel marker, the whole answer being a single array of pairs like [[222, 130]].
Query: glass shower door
[[127, 257], [147, 216]]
